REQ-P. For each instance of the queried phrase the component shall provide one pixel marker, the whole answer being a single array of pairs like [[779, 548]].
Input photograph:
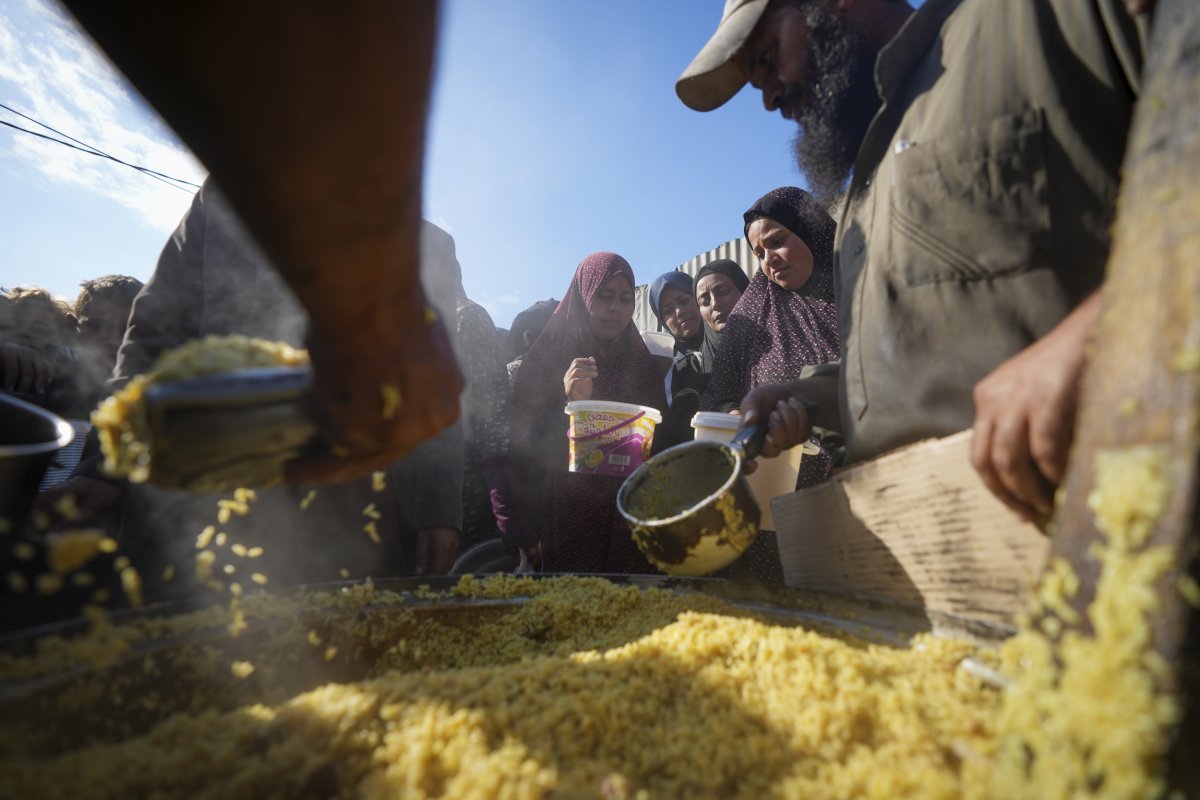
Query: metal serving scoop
[[228, 430], [690, 508]]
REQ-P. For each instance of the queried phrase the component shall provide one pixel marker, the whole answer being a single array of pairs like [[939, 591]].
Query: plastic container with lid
[[774, 476], [713, 426], [609, 438]]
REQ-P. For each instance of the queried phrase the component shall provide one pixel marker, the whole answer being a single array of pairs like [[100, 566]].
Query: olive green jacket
[[978, 213]]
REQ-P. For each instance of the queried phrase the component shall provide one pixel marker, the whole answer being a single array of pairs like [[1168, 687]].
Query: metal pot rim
[[678, 451], [65, 433]]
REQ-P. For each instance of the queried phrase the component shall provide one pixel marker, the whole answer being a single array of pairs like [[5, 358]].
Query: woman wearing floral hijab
[[589, 350], [786, 319]]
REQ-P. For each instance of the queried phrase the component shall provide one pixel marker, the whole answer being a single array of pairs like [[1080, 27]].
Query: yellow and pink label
[[609, 438]]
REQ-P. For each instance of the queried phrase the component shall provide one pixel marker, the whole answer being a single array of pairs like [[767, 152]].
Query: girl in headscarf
[[589, 350], [672, 301]]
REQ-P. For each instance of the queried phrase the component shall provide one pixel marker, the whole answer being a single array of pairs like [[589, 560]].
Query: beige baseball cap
[[712, 78]]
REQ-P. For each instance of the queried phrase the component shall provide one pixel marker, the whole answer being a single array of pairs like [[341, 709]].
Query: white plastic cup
[[774, 476], [659, 343], [713, 426]]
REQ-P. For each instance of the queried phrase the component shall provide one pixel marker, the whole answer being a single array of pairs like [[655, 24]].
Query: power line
[[149, 173], [94, 151]]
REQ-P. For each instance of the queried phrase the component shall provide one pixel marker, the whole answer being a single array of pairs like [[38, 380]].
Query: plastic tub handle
[[616, 427]]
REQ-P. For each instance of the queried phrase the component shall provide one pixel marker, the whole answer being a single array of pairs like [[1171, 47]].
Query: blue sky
[[555, 132]]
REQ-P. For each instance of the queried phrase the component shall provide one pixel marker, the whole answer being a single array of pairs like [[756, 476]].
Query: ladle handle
[[750, 440]]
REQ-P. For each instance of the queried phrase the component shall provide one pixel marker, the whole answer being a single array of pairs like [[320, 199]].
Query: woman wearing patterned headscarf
[[786, 319], [589, 350]]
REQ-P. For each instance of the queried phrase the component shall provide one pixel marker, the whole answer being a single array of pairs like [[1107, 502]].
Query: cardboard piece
[[915, 527]]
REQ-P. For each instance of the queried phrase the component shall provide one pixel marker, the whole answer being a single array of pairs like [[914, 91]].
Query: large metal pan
[[186, 669]]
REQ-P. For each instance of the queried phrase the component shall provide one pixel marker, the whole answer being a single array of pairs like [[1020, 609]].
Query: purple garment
[[579, 526], [772, 333]]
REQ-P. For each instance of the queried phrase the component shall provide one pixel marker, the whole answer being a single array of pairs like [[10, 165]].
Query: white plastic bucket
[[713, 426], [774, 476], [609, 438], [661, 345]]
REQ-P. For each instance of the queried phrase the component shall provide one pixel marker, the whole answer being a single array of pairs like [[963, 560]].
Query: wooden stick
[[1142, 386]]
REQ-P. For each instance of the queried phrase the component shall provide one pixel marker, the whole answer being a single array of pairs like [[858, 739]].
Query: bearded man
[[977, 144]]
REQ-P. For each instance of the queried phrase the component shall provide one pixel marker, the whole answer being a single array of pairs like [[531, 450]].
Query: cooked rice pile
[[589, 689], [121, 419], [586, 690], [1086, 716]]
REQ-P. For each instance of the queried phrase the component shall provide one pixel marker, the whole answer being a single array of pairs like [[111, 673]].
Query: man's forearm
[[312, 118], [818, 388]]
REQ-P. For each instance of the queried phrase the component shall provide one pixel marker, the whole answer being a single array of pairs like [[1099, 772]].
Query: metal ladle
[[690, 508]]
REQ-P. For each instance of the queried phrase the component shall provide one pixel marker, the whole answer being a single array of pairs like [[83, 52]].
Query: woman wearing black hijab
[[718, 287], [672, 301], [786, 319]]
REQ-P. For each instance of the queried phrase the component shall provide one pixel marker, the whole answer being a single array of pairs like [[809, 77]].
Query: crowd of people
[[59, 354], [957, 287], [501, 472]]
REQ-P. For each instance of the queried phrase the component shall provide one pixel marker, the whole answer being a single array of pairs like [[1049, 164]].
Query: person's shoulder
[[472, 314]]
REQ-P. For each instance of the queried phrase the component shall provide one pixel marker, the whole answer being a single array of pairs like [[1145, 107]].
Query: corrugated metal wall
[[735, 250]]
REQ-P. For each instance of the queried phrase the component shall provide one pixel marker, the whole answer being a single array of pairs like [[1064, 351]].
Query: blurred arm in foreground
[[312, 118]]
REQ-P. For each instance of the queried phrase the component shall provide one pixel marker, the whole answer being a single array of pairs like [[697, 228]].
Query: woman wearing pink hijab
[[589, 350]]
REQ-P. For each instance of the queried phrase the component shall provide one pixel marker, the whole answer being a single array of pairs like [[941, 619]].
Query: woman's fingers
[[577, 383]]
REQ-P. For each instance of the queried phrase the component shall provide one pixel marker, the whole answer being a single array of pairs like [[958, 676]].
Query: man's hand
[[26, 371], [1025, 415], [436, 550], [787, 419], [577, 383], [380, 401]]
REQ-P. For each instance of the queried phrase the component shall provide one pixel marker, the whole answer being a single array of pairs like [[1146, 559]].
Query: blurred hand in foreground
[[380, 401], [26, 371]]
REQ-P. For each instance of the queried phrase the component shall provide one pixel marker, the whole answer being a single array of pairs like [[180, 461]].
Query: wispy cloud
[[52, 72]]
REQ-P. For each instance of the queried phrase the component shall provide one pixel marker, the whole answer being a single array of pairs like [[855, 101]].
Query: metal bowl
[[690, 508], [29, 438], [490, 557]]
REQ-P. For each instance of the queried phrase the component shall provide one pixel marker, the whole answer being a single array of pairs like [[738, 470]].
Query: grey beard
[[840, 104]]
